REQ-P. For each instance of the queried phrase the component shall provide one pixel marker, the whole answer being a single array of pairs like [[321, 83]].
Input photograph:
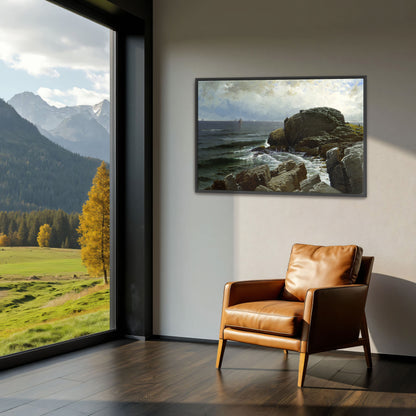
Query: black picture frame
[[252, 135]]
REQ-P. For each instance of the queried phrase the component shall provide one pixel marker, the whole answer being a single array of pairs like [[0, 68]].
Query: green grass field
[[41, 302], [35, 261]]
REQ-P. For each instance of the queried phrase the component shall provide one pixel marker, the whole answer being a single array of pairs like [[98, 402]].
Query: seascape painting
[[285, 136]]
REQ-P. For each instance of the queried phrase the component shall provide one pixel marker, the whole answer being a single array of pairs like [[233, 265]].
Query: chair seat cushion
[[277, 317]]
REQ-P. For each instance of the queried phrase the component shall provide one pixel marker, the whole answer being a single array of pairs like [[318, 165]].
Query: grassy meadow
[[46, 297]]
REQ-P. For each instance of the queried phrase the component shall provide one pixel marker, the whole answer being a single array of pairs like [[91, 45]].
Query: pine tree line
[[22, 228]]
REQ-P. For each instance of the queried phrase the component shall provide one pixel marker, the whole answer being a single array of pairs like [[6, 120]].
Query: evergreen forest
[[21, 228], [37, 174]]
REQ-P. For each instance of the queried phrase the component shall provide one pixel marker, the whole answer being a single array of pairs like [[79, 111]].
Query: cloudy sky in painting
[[274, 100], [54, 53]]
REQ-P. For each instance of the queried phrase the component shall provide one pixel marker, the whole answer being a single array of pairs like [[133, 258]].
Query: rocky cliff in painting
[[288, 177], [314, 132], [322, 132], [317, 133], [346, 173]]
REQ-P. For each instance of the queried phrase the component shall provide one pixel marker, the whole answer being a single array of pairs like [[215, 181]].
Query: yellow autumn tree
[[44, 235], [4, 240], [94, 226]]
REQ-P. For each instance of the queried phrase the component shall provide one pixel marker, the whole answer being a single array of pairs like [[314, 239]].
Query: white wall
[[202, 240]]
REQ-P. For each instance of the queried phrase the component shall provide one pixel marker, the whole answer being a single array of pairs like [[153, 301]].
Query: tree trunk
[[102, 248]]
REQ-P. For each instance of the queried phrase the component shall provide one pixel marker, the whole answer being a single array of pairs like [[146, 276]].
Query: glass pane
[[54, 175]]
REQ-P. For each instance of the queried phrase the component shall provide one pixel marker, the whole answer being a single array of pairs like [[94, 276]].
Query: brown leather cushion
[[319, 266], [277, 317]]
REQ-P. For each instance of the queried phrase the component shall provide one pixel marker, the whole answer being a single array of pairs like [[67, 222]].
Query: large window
[[54, 176]]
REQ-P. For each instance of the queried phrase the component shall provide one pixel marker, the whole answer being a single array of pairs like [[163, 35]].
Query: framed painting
[[289, 136]]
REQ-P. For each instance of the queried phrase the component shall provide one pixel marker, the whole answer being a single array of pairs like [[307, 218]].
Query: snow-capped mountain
[[83, 135], [102, 113], [37, 174], [82, 129]]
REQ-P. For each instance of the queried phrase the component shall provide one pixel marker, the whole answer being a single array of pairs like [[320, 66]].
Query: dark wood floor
[[178, 378]]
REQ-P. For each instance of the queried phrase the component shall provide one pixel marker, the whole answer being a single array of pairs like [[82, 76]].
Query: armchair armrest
[[333, 317], [249, 291]]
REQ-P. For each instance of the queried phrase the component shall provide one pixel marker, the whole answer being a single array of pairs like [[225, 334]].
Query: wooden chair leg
[[220, 353], [366, 343], [303, 364], [285, 352]]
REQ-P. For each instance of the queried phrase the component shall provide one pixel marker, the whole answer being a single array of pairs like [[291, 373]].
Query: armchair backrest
[[366, 267], [320, 266]]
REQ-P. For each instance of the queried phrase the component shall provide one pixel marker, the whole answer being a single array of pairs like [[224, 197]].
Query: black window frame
[[131, 180]]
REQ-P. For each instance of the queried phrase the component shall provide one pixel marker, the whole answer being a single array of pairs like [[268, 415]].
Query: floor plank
[[179, 378]]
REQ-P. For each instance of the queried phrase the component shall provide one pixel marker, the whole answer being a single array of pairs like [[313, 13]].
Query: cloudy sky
[[54, 53], [274, 100]]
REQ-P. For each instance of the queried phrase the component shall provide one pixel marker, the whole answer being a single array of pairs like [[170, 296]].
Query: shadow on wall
[[390, 311]]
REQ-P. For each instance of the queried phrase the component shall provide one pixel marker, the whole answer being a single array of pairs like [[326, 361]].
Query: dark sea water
[[225, 147]]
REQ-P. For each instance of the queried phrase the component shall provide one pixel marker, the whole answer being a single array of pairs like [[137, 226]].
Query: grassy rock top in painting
[[312, 122]]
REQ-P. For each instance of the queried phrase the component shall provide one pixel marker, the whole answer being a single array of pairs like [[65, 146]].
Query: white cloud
[[31, 63], [51, 96], [41, 38], [278, 99], [101, 81], [70, 97]]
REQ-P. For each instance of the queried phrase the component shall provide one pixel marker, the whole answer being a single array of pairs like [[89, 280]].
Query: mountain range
[[36, 173], [82, 129]]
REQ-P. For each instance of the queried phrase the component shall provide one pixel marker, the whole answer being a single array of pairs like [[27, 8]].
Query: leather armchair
[[318, 307]]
